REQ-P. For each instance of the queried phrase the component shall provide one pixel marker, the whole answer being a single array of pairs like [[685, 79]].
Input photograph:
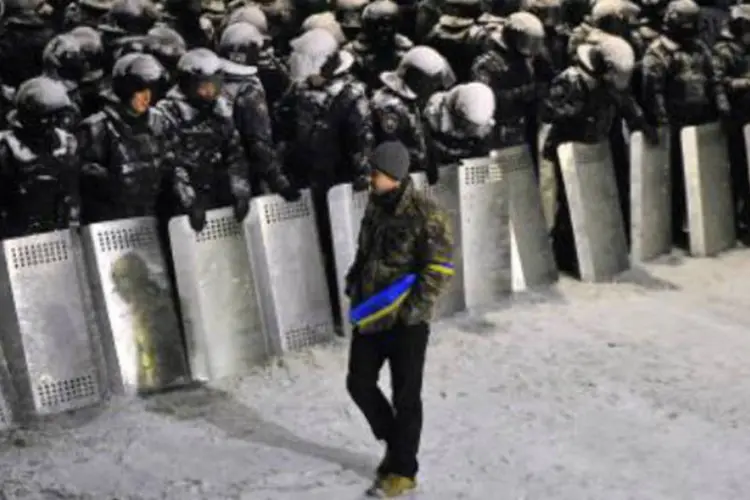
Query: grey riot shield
[[746, 134], [547, 180], [533, 262], [705, 159], [220, 311], [650, 197], [47, 344], [287, 262], [485, 232], [133, 297], [446, 193], [589, 179], [347, 209], [7, 395]]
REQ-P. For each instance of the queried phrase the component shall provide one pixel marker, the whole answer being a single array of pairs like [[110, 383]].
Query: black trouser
[[399, 424]]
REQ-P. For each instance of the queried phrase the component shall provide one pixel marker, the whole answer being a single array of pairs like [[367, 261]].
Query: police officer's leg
[[366, 357], [740, 183], [406, 357], [679, 211]]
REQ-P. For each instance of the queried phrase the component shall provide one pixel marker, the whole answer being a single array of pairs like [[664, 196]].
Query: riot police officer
[[396, 107], [88, 13], [327, 21], [497, 11], [240, 47], [212, 169], [556, 36], [327, 135], [38, 163], [732, 62], [167, 46], [680, 82], [91, 83], [459, 123], [457, 36], [582, 105], [349, 16], [65, 62], [25, 32], [124, 27], [185, 17], [379, 47], [125, 149], [508, 69], [615, 17]]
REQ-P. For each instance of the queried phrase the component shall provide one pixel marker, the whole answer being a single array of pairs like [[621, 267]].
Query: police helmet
[[472, 108], [166, 44], [17, 6], [326, 21], [251, 14], [739, 20], [241, 43], [349, 13], [130, 17], [682, 14], [381, 12], [422, 70], [40, 97], [524, 32], [93, 51], [619, 10], [63, 58], [611, 57], [548, 11], [97, 5], [199, 63], [136, 72]]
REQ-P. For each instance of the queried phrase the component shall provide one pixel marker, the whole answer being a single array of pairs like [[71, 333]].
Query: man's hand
[[197, 215]]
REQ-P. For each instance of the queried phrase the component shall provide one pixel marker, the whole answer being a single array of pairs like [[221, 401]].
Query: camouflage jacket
[[409, 234], [582, 109], [732, 63], [39, 184], [369, 62], [395, 119], [445, 143], [514, 83], [326, 133], [680, 84], [459, 44], [212, 168], [253, 122], [124, 164]]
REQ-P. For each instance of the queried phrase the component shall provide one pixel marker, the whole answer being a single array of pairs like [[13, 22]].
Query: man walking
[[403, 263]]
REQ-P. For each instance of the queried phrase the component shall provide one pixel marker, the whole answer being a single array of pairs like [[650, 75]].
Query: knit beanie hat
[[391, 158]]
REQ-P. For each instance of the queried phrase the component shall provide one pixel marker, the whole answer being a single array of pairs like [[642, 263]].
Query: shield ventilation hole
[[478, 175], [61, 392], [307, 336], [37, 254], [218, 229], [116, 240], [283, 211]]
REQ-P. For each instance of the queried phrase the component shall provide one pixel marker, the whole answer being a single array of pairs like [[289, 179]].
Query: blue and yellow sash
[[383, 303]]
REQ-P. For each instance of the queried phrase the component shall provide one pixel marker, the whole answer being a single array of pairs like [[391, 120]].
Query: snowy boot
[[393, 486]]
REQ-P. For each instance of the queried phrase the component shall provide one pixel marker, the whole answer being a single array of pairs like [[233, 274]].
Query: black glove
[[241, 208], [290, 194], [361, 184], [197, 215], [433, 176]]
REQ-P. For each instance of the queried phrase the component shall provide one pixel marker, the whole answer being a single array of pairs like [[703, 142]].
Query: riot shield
[[49, 350], [485, 232], [532, 260], [650, 196], [220, 311], [446, 193], [133, 298], [7, 395], [705, 159], [290, 280], [599, 232], [547, 180]]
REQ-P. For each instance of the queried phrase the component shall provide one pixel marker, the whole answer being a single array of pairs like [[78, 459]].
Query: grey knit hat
[[391, 158]]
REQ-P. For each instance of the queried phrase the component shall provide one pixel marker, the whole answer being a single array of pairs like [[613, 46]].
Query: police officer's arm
[[716, 83], [734, 85], [434, 259], [563, 101], [254, 123], [655, 66], [357, 134], [236, 163], [93, 147]]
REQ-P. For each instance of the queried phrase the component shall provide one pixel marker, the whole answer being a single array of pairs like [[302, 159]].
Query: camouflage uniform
[[396, 119], [369, 63], [681, 85], [253, 122], [415, 236], [460, 40], [38, 182], [512, 78], [125, 161], [211, 169], [328, 132], [732, 64], [449, 146]]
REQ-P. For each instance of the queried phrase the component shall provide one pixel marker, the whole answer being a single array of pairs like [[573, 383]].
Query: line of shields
[[91, 313]]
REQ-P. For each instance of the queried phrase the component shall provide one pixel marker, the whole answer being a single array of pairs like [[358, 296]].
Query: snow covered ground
[[634, 390]]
